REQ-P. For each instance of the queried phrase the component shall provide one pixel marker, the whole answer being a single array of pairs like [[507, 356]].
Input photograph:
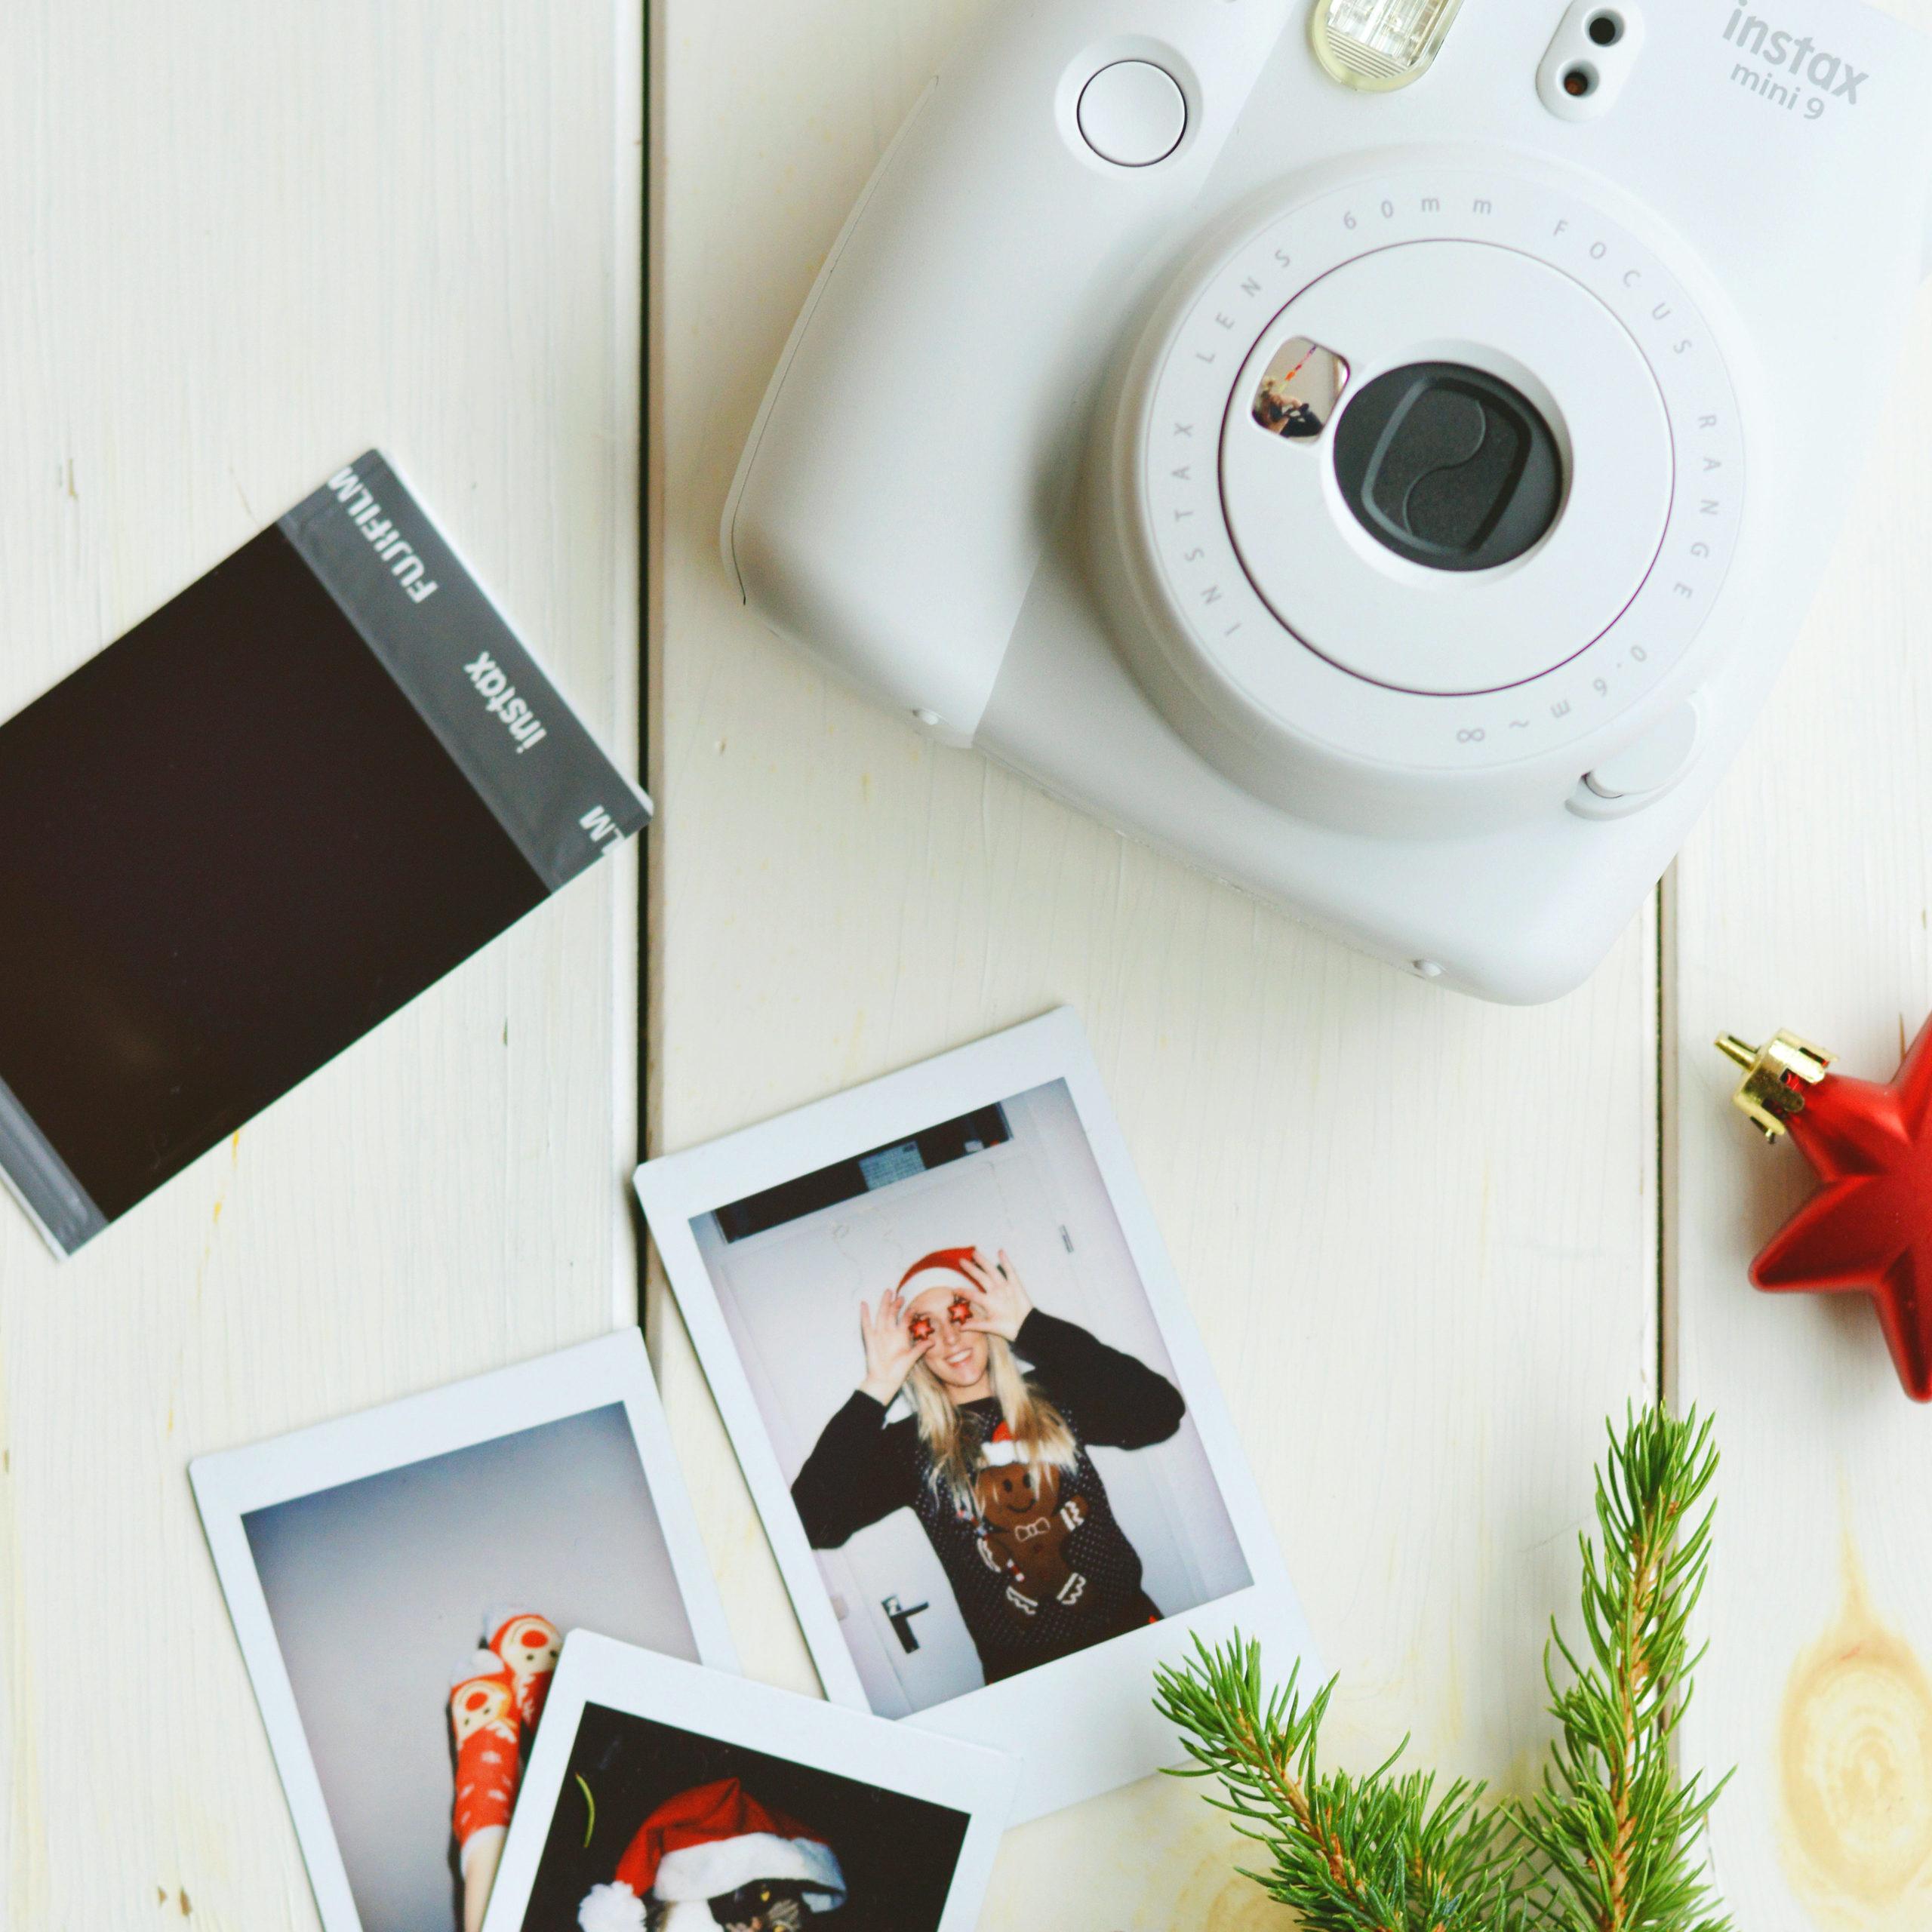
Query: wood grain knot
[[1855, 1749]]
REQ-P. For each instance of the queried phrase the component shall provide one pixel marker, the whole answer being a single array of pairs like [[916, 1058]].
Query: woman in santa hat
[[715, 1856], [993, 1460]]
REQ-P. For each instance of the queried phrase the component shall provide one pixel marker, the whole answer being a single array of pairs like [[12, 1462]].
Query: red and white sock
[[484, 1719], [528, 1645]]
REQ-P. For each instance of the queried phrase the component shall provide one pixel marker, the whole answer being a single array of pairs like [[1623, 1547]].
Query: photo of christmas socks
[[493, 1708], [488, 1733], [528, 1645]]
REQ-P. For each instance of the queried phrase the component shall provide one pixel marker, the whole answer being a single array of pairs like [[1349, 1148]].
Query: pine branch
[[1351, 1854], [1610, 1845], [1614, 1830]]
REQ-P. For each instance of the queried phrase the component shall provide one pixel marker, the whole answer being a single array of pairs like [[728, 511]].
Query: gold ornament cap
[[1775, 1077]]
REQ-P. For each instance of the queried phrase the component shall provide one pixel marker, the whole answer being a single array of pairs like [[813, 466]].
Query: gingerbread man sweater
[[1036, 1585]]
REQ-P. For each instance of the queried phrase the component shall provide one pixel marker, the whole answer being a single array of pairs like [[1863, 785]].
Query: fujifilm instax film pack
[[1378, 450]]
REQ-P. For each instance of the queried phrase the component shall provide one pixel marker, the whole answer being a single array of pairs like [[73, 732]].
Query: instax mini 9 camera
[[1378, 452]]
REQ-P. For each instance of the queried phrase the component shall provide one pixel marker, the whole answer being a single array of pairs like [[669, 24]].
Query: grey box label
[[552, 790]]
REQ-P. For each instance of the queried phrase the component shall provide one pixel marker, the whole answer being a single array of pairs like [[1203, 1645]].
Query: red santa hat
[[938, 1270], [703, 1843]]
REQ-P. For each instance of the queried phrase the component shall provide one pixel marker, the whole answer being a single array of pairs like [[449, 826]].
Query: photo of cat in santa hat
[[715, 1856]]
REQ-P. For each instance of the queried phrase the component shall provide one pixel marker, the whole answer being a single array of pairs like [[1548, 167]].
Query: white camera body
[[1397, 504]]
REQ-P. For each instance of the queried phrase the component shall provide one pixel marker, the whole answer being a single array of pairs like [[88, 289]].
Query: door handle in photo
[[900, 1617]]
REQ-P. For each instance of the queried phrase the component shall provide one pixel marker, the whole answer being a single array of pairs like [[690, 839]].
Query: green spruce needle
[[1379, 1854], [1615, 1830], [1609, 1843]]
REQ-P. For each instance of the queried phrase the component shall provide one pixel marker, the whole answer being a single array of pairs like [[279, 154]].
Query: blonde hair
[[1032, 1420]]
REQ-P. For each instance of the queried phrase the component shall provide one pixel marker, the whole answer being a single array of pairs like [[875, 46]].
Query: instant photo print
[[665, 1797], [999, 1539], [398, 1581], [251, 828]]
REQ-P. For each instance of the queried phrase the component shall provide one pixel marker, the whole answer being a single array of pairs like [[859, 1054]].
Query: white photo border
[[1099, 1729], [873, 1751], [233, 1484]]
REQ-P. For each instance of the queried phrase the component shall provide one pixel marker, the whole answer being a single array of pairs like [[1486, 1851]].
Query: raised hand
[[890, 1351], [1002, 1305]]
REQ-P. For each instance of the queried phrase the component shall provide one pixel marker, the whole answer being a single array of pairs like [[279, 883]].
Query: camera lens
[[1449, 466], [1606, 29], [1580, 81]]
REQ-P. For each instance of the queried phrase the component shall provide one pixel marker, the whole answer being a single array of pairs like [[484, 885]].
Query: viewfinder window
[[1298, 389]]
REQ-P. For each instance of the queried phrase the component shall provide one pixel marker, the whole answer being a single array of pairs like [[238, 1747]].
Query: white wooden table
[[239, 244], [1430, 1244]]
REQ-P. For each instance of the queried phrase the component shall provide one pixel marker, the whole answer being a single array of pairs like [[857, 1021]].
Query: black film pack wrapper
[[257, 825]]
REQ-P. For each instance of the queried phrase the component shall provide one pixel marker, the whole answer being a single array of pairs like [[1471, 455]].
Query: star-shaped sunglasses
[[958, 1312]]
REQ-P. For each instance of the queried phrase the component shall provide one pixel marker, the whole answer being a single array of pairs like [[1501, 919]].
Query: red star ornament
[[1868, 1229]]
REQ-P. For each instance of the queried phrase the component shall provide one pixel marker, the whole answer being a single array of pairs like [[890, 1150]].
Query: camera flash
[[1379, 45]]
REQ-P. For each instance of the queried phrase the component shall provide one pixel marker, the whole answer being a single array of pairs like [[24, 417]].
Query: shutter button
[[1133, 113]]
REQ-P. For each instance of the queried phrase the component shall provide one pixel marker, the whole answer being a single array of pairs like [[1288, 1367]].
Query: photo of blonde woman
[[993, 1459], [968, 1397], [980, 1429]]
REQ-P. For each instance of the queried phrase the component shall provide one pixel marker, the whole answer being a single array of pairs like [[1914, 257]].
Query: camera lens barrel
[[1449, 466]]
